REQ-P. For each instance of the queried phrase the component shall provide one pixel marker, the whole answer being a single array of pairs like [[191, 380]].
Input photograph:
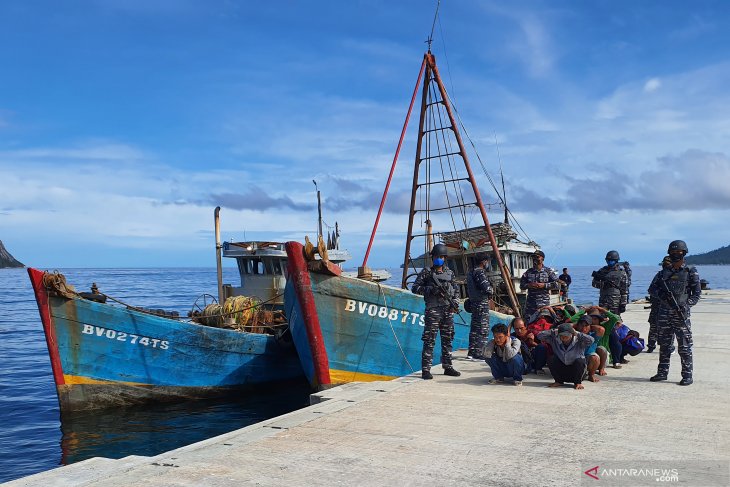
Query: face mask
[[676, 257], [611, 263], [438, 261]]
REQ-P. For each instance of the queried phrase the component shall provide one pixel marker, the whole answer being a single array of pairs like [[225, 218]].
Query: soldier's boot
[[650, 347], [452, 372], [658, 377], [426, 375], [686, 381]]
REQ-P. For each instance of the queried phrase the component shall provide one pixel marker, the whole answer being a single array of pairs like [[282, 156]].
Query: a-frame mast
[[432, 74]]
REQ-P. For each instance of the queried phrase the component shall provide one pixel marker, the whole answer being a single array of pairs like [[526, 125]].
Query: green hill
[[7, 260], [719, 256]]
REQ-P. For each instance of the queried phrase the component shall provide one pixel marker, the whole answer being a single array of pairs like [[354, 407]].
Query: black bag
[[467, 305]]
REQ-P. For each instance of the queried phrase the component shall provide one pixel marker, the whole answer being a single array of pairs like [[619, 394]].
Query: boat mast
[[432, 74], [319, 210]]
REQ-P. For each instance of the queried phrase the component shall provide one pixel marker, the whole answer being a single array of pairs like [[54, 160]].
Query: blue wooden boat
[[347, 329], [105, 355]]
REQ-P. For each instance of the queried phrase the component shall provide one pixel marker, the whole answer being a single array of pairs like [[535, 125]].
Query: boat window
[[276, 267]]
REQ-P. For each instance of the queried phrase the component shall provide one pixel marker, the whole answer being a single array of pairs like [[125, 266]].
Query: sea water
[[34, 438]]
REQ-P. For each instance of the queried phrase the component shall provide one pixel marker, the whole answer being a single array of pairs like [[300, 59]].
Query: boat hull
[[348, 329], [104, 355]]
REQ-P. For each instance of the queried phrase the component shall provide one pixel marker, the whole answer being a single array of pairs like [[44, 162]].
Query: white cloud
[[652, 85]]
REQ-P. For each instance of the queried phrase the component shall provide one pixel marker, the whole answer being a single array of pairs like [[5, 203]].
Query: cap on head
[[677, 245], [565, 329], [540, 253], [439, 249], [612, 255], [587, 319]]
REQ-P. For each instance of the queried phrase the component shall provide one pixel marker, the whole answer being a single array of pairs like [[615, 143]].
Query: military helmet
[[439, 249], [677, 245], [612, 255]]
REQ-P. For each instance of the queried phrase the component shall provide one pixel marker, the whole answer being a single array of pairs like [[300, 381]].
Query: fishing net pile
[[240, 313]]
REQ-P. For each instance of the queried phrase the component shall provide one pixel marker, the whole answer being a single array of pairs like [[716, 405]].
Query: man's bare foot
[[578, 386], [593, 378], [602, 372], [556, 384]]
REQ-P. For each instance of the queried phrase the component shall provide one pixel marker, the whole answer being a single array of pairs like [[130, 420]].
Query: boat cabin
[[263, 269]]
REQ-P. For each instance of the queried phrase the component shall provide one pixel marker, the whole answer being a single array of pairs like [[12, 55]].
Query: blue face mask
[[438, 261], [611, 263]]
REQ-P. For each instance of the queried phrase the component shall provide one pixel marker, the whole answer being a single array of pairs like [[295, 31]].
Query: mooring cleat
[[686, 381], [452, 372], [658, 377], [426, 375]]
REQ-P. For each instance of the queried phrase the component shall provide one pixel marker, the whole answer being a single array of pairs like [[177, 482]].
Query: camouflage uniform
[[480, 290], [537, 298], [439, 315], [613, 283], [684, 284]]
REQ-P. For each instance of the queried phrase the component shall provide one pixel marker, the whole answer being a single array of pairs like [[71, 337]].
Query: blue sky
[[124, 123]]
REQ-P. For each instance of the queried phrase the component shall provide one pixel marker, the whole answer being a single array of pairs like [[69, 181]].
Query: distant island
[[719, 256], [7, 260]]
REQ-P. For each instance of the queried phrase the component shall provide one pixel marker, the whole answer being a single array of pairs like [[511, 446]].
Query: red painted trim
[[299, 275], [41, 297]]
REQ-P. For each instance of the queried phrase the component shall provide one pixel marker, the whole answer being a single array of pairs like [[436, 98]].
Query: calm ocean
[[33, 438]]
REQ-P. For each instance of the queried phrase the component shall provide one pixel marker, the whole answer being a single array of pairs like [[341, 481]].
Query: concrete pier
[[461, 431]]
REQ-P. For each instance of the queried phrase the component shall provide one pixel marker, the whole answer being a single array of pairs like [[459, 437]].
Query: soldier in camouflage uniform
[[676, 289], [651, 343], [613, 281], [438, 289], [538, 281], [480, 290]]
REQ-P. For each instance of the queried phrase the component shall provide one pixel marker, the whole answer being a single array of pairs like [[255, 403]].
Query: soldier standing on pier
[[538, 280], [613, 283], [651, 341], [439, 290], [480, 290], [676, 289]]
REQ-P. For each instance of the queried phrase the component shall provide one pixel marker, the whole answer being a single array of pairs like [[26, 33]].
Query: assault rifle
[[443, 293], [672, 300]]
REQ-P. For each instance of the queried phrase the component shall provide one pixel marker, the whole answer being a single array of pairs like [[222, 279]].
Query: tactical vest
[[445, 280], [475, 294], [677, 282], [612, 278]]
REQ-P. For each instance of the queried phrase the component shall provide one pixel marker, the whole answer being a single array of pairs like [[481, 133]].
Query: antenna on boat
[[433, 26], [319, 210]]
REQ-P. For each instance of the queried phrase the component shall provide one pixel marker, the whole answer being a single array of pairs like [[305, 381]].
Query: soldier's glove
[[622, 308]]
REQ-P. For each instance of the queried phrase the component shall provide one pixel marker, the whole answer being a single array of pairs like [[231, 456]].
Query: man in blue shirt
[[565, 277]]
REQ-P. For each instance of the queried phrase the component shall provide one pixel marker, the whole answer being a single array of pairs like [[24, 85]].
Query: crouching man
[[502, 353], [594, 355], [568, 362]]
